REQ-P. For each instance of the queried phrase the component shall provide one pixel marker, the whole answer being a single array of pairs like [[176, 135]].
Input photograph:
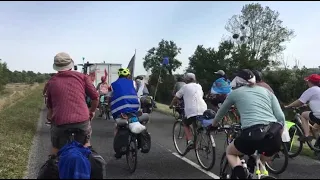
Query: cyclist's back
[[194, 104], [256, 105]]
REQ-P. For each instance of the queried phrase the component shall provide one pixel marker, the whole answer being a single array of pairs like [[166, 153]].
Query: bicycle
[[133, 145], [105, 108], [254, 162], [296, 133], [200, 132]]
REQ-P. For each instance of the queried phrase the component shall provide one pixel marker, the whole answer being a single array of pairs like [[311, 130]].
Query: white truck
[[99, 69]]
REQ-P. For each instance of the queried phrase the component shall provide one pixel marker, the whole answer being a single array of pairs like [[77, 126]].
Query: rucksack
[[120, 142], [50, 169], [73, 161], [98, 165]]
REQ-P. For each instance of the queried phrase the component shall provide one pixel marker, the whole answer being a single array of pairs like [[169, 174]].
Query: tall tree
[[154, 57], [261, 30]]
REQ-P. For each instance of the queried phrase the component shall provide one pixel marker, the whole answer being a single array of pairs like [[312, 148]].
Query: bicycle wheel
[[295, 146], [179, 139], [278, 167], [132, 155], [268, 177], [225, 168], [205, 144]]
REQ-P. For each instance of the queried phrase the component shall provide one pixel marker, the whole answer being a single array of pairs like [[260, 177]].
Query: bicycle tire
[[268, 177], [134, 151], [284, 150], [210, 145], [223, 166], [299, 133], [178, 123]]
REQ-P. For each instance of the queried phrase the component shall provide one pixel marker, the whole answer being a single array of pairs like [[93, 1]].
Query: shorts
[[59, 137], [313, 118], [191, 120], [266, 146]]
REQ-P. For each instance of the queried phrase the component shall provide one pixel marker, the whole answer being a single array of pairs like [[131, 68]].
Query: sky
[[32, 33]]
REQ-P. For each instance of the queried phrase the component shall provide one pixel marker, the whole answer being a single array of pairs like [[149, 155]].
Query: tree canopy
[[257, 36]]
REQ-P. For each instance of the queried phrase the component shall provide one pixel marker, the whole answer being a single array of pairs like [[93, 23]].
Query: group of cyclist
[[259, 109], [261, 117]]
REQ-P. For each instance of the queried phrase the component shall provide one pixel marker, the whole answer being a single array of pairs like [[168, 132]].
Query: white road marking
[[196, 166], [214, 176]]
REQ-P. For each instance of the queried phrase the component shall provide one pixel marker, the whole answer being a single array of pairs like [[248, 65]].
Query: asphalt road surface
[[161, 162]]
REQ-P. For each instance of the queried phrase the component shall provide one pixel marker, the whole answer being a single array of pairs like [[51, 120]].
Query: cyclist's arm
[[92, 93], [304, 98], [277, 111], [223, 110], [178, 95]]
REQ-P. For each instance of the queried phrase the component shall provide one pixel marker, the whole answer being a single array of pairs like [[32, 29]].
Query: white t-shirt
[[312, 97], [194, 103]]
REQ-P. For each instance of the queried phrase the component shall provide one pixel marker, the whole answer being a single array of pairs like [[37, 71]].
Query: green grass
[[18, 126]]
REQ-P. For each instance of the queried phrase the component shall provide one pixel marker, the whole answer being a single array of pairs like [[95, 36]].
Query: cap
[[221, 72], [190, 76], [315, 78]]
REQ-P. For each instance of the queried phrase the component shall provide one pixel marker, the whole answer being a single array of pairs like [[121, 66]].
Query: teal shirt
[[256, 105]]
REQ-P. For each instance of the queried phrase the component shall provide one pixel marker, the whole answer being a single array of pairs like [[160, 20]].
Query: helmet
[[209, 114], [103, 78], [124, 72], [247, 75], [258, 75]]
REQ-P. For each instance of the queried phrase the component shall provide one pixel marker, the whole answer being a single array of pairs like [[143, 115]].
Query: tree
[[261, 30], [205, 61], [153, 59]]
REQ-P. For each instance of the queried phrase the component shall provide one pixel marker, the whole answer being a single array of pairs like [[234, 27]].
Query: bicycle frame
[[259, 166]]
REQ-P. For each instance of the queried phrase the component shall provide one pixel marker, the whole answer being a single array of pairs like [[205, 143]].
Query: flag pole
[[155, 91]]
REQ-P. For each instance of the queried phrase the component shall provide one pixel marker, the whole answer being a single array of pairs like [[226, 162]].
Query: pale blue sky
[[31, 33]]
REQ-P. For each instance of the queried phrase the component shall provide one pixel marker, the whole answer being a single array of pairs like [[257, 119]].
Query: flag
[[131, 64], [165, 61], [105, 73]]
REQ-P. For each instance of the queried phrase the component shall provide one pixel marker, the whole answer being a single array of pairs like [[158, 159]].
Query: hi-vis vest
[[124, 97]]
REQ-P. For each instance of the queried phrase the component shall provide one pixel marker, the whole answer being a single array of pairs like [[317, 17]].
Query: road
[[161, 162]]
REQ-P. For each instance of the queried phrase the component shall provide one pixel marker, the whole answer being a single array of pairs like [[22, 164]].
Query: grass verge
[[163, 108], [18, 124]]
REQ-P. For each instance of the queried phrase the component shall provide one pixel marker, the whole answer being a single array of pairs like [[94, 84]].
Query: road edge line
[[214, 176]]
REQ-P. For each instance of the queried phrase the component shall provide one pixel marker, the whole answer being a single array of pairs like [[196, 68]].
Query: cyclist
[[67, 109], [220, 89], [180, 82], [312, 97], [258, 108], [194, 104], [260, 82], [102, 88], [124, 99]]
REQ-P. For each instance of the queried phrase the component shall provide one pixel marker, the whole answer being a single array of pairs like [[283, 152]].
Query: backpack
[[144, 141], [50, 169], [73, 161], [98, 165], [120, 142]]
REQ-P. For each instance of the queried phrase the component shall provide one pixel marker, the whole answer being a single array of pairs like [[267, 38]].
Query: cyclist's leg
[[305, 119], [187, 122], [239, 147], [232, 154], [269, 147], [59, 138]]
